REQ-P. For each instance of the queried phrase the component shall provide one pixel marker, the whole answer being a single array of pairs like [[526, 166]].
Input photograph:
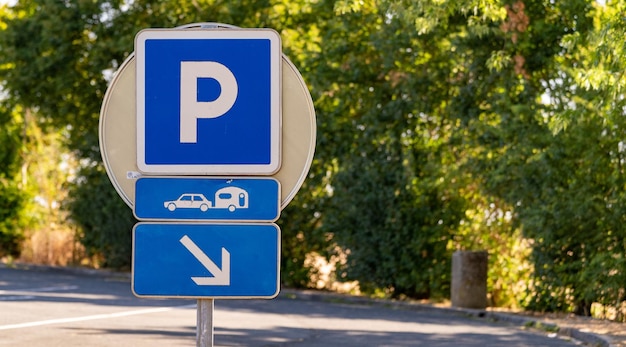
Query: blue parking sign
[[208, 101]]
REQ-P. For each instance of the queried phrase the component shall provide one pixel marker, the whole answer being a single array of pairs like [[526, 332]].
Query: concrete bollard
[[469, 279]]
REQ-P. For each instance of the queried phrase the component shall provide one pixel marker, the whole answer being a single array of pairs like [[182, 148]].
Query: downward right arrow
[[221, 277]]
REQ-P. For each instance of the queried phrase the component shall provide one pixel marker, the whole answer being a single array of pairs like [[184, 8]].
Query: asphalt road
[[48, 307]]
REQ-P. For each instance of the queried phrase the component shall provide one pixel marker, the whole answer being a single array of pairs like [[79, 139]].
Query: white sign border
[[275, 108]]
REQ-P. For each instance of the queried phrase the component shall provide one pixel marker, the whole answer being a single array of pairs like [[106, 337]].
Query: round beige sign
[[118, 132]]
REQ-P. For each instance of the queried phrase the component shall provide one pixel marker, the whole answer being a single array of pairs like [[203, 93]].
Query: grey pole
[[204, 328]]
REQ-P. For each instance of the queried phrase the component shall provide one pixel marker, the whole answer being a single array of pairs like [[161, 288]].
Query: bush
[[105, 220]]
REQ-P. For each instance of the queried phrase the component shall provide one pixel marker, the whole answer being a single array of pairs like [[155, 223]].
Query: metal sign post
[[204, 324], [183, 114]]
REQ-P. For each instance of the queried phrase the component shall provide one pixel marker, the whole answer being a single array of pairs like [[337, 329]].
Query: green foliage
[[565, 187], [391, 208], [394, 228], [45, 68], [12, 198], [11, 207], [104, 218], [581, 257], [301, 235]]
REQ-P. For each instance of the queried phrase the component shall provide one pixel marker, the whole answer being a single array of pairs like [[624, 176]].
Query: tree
[[541, 145], [585, 207], [58, 57], [393, 205], [12, 198], [471, 79]]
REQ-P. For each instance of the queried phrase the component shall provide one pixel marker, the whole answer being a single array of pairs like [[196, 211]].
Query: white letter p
[[190, 108]]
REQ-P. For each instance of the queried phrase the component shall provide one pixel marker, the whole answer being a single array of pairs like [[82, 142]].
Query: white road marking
[[24, 294], [93, 317], [42, 289], [50, 294], [50, 289], [16, 297]]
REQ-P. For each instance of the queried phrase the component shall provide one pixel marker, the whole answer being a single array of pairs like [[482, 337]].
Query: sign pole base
[[204, 328]]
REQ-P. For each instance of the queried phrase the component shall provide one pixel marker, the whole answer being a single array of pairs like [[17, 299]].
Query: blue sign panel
[[206, 260], [202, 199], [208, 101]]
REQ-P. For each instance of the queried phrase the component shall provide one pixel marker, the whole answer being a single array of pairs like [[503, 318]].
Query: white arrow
[[221, 277]]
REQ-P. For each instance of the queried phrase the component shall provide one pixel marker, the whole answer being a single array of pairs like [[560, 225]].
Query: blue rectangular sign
[[203, 199], [208, 101], [206, 260]]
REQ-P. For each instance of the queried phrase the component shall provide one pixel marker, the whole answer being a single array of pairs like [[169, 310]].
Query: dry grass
[[324, 273], [54, 245]]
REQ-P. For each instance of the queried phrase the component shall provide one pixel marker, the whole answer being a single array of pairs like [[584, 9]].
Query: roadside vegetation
[[492, 125]]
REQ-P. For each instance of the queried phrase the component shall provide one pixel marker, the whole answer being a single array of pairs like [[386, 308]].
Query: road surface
[[56, 307]]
